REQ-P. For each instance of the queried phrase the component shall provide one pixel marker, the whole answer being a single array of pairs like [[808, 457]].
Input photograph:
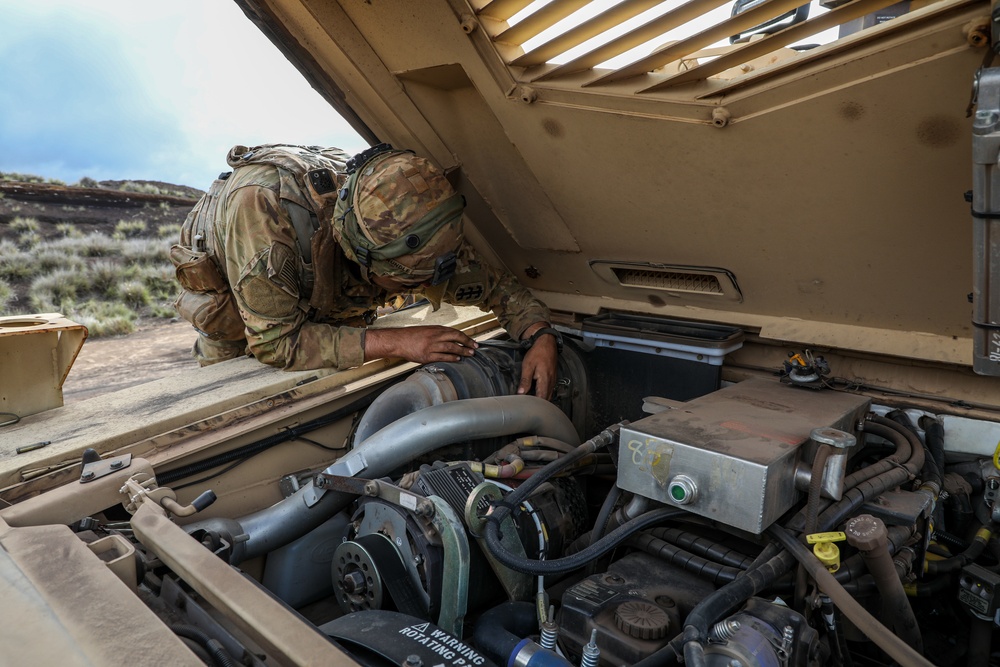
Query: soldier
[[307, 252]]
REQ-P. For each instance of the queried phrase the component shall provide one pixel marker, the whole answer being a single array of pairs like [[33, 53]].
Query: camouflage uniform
[[257, 244]]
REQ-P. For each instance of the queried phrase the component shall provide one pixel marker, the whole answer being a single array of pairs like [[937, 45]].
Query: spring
[[549, 632], [591, 654], [724, 630]]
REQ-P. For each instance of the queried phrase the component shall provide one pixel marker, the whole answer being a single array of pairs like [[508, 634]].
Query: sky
[[135, 90]]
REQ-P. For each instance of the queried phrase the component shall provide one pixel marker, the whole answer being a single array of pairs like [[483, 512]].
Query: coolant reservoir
[[36, 353]]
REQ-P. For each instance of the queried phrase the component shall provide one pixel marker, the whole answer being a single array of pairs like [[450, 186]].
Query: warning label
[[451, 650]]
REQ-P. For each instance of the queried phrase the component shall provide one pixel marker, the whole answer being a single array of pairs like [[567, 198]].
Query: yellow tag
[[817, 538], [996, 457]]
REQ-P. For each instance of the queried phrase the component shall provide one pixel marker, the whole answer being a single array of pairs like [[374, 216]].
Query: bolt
[[735, 663], [399, 541], [115, 465], [469, 24], [413, 661], [88, 475], [371, 488], [418, 560], [354, 583]]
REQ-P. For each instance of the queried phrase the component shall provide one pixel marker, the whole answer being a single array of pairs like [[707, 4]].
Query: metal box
[[731, 455]]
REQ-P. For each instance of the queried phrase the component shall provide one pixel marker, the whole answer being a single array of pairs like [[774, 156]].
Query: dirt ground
[[111, 364]]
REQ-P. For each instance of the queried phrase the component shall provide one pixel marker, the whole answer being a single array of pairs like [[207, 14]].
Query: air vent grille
[[656, 45], [669, 280]]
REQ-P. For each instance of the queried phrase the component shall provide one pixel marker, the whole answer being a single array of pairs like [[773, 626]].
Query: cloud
[[127, 90]]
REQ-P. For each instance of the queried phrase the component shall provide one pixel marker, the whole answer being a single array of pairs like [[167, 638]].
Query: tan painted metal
[[833, 194], [36, 354], [63, 606], [279, 631]]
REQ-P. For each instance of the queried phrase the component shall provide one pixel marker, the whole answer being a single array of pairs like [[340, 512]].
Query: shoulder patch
[[470, 292]]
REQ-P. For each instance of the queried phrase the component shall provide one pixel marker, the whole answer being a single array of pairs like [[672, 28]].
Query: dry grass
[[107, 283]]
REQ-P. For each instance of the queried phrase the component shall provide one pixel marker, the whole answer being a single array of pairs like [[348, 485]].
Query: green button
[[677, 492]]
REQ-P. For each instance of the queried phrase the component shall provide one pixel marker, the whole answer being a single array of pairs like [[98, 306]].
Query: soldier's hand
[[539, 366], [423, 344]]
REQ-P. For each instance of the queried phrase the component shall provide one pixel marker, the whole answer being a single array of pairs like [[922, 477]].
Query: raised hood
[[812, 197]]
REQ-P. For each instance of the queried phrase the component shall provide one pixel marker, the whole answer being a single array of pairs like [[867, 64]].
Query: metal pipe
[[868, 535], [420, 390], [413, 435]]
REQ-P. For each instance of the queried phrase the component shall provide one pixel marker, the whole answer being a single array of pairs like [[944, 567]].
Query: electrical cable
[[254, 448]]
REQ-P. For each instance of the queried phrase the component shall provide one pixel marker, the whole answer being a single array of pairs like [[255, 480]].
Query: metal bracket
[[517, 585], [104, 467], [455, 579], [347, 466], [375, 489]]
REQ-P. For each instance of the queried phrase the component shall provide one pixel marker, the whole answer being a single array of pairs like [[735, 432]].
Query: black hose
[[931, 471], [703, 547], [500, 629], [956, 563], [254, 448], [216, 651], [934, 435], [604, 516], [713, 572]]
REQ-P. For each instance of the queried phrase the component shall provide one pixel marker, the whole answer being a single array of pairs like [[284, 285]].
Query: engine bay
[[780, 520]]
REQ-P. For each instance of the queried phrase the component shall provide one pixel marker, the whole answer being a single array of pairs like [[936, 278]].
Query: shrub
[[87, 182], [146, 251], [161, 279], [48, 258], [29, 240], [56, 292], [143, 188], [7, 296], [55, 181], [128, 229], [23, 178], [69, 230], [103, 277], [134, 294], [93, 245], [171, 231], [15, 264], [20, 224], [105, 319]]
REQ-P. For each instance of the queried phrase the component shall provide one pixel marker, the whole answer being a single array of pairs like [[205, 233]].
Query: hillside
[[99, 255]]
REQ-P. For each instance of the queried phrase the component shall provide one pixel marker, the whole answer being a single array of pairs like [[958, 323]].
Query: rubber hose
[[703, 547], [812, 517], [868, 535], [970, 555], [934, 435], [216, 651], [713, 572], [502, 632], [931, 471], [897, 649], [604, 516]]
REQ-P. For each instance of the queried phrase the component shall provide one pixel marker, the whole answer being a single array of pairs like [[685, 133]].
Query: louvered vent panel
[[669, 280], [661, 44]]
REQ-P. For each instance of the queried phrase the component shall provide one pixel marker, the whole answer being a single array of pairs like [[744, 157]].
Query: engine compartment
[[775, 521]]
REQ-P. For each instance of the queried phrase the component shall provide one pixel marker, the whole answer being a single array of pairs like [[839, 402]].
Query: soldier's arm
[[262, 264], [477, 283]]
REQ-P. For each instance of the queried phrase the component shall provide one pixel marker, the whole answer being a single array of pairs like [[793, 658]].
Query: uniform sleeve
[[477, 283], [262, 265]]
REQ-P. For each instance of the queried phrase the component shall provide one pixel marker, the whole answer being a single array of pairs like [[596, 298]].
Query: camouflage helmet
[[398, 216]]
